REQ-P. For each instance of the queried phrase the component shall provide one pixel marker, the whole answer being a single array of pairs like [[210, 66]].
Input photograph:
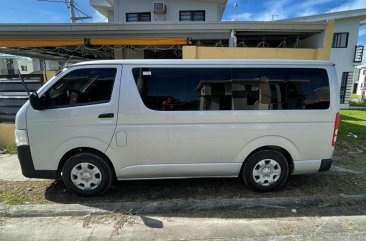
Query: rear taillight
[[335, 131]]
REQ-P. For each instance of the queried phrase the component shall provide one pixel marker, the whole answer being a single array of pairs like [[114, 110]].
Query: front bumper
[[26, 163]]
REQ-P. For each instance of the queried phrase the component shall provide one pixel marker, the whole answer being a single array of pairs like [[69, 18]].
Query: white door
[[80, 110]]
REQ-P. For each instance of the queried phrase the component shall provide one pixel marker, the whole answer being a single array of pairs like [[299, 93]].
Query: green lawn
[[352, 121]]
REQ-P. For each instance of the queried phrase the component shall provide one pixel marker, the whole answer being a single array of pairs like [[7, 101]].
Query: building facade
[[129, 11], [345, 53], [10, 65], [342, 48]]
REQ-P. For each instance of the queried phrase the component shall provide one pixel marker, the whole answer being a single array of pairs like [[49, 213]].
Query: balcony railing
[[358, 53]]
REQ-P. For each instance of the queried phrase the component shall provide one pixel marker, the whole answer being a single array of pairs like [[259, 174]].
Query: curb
[[161, 207]]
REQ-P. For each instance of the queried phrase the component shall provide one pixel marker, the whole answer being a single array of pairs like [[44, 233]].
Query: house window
[[192, 15], [340, 40], [23, 68], [138, 17]]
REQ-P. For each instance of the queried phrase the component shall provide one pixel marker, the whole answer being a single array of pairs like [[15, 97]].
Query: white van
[[259, 120]]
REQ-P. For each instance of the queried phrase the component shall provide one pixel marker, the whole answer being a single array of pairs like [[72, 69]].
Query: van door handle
[[106, 115]]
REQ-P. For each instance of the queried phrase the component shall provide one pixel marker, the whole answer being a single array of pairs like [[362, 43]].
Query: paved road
[[182, 228]]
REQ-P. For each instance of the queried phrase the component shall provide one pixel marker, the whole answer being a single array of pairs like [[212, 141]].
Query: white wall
[[27, 62], [343, 57], [361, 86], [315, 41], [121, 7], [38, 65], [18, 63]]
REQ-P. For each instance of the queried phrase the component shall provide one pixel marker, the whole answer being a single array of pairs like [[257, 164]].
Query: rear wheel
[[87, 174], [266, 170]]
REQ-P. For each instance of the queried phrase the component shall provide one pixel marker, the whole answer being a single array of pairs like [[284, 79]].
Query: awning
[[27, 43], [140, 41]]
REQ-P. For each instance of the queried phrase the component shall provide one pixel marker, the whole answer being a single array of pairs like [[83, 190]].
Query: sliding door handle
[[106, 115]]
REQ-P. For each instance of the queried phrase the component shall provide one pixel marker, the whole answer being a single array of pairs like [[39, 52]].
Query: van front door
[[79, 110]]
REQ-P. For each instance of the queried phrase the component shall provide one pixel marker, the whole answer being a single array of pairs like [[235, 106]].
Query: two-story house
[[346, 53]]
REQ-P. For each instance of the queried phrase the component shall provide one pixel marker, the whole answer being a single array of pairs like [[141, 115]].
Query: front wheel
[[266, 170], [87, 174]]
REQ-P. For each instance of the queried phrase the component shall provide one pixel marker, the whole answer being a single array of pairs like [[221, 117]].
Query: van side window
[[179, 89], [81, 87], [281, 88]]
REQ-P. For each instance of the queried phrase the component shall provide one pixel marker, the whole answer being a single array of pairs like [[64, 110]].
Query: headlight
[[21, 138]]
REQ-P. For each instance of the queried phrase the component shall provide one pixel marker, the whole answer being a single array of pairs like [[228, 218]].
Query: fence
[[13, 94]]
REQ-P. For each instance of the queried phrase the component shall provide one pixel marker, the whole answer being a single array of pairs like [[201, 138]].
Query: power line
[[73, 7]]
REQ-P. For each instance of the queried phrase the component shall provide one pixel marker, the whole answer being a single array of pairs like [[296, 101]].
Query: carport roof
[[116, 33], [206, 30]]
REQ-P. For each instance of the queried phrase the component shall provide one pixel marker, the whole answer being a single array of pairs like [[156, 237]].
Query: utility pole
[[236, 9], [274, 16], [71, 5]]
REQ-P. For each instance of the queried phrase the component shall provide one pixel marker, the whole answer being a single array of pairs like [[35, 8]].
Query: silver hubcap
[[266, 172], [86, 176]]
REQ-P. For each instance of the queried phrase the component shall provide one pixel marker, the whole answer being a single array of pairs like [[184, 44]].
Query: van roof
[[208, 62]]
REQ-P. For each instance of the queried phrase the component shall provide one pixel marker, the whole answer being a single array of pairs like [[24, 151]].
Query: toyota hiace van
[[257, 120]]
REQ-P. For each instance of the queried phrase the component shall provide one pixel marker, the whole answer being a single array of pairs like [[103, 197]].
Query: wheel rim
[[266, 172], [86, 176]]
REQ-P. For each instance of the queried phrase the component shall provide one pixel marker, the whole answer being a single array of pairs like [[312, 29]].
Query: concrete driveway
[[10, 168]]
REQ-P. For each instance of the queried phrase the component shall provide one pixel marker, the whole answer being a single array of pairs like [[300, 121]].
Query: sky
[[55, 11]]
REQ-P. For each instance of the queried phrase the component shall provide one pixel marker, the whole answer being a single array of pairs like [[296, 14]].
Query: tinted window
[[82, 86], [232, 89]]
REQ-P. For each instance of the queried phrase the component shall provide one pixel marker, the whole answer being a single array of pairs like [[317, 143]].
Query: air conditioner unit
[[159, 8]]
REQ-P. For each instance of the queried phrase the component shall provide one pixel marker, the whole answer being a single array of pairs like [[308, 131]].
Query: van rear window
[[189, 89]]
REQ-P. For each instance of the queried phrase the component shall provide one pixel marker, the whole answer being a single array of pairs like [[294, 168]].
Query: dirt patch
[[320, 184], [118, 220]]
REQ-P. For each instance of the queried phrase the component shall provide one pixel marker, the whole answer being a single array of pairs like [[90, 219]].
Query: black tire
[[104, 173], [265, 159]]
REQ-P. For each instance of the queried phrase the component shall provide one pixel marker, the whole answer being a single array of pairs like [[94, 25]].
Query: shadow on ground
[[323, 184]]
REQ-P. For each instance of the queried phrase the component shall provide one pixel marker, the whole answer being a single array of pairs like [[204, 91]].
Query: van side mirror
[[35, 101]]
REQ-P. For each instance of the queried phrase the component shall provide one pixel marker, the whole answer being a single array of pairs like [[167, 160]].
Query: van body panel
[[54, 132], [196, 170], [184, 138]]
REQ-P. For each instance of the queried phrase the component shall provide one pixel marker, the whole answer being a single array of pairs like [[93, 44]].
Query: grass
[[11, 149], [353, 121], [357, 104], [356, 101], [11, 198]]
